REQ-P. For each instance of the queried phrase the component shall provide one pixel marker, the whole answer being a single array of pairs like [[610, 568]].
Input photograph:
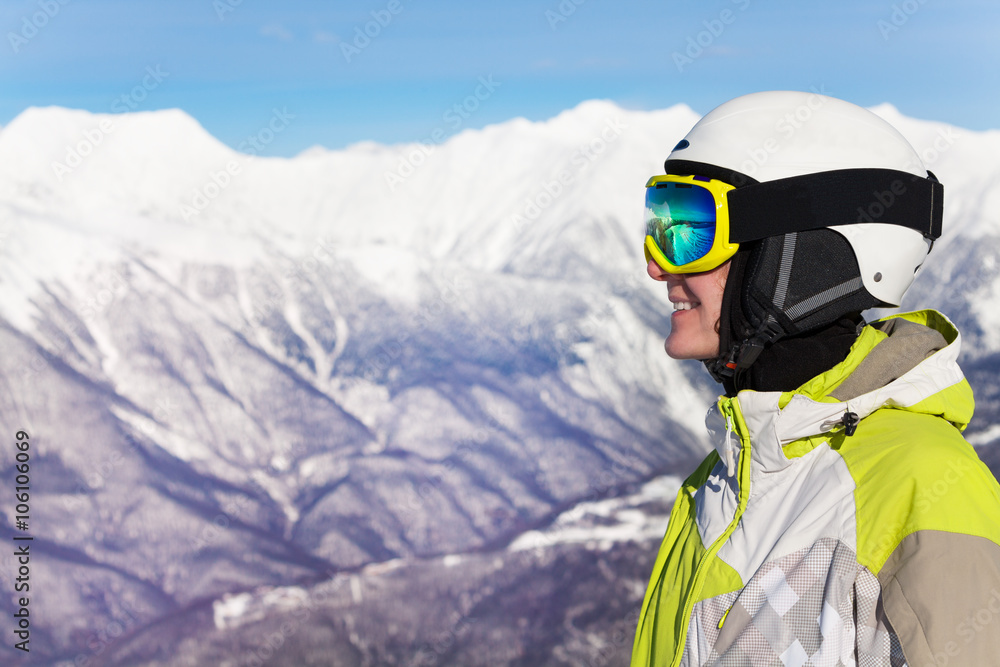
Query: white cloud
[[277, 30], [324, 37]]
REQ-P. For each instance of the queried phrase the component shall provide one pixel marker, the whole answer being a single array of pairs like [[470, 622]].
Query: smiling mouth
[[686, 305]]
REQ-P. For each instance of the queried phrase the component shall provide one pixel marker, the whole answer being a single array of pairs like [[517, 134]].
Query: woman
[[842, 519]]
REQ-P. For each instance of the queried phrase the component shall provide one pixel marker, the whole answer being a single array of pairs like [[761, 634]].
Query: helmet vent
[[878, 276]]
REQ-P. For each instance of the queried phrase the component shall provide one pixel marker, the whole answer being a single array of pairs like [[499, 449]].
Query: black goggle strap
[[839, 197]]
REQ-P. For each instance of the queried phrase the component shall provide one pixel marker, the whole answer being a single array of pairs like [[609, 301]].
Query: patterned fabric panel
[[813, 608]]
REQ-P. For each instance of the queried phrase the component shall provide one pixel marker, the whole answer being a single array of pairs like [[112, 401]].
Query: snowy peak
[[486, 196], [360, 359], [119, 160], [57, 131]]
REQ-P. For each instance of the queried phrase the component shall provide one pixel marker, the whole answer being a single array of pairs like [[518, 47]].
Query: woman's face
[[697, 299]]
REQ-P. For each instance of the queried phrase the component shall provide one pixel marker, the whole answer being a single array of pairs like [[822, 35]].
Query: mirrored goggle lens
[[681, 219]]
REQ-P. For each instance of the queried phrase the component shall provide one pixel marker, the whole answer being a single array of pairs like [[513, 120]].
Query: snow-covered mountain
[[242, 373]]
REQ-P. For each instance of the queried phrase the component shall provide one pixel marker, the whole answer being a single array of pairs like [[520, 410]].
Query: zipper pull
[[850, 422]]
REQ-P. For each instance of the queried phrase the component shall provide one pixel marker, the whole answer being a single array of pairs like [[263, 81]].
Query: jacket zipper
[[731, 410]]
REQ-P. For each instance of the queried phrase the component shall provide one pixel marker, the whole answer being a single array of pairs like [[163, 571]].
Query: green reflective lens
[[681, 219]]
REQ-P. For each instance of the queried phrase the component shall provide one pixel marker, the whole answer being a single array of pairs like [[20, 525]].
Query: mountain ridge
[[316, 372]]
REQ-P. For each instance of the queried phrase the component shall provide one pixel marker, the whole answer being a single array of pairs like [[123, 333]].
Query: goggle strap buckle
[[723, 370], [748, 352]]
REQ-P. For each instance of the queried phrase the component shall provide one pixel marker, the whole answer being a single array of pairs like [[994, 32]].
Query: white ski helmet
[[833, 209]]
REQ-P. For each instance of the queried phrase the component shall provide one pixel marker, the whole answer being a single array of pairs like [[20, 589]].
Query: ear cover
[[802, 281], [785, 286]]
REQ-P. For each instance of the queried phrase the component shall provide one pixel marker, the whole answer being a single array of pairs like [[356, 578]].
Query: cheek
[[718, 293], [710, 330], [712, 305], [710, 295], [714, 313]]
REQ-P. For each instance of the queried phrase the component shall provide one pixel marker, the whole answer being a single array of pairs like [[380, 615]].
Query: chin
[[689, 354], [678, 350]]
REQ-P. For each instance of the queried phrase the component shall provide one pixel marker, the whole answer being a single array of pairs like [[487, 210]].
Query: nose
[[656, 272]]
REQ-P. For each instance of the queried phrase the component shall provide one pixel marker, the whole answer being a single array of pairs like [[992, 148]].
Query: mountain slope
[[248, 372]]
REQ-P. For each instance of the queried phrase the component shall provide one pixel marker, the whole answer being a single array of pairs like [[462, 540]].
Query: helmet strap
[[728, 369], [723, 367]]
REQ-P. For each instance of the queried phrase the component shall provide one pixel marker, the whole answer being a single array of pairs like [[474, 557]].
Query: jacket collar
[[768, 421]]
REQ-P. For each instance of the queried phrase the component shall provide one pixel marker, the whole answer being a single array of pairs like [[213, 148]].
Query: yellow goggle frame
[[721, 249]]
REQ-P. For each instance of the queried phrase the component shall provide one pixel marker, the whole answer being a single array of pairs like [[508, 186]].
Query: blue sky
[[230, 63]]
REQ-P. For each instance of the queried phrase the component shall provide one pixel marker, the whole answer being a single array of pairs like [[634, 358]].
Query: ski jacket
[[844, 523]]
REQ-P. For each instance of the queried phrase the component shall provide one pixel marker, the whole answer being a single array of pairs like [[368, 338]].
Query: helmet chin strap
[[731, 356], [740, 344], [741, 355]]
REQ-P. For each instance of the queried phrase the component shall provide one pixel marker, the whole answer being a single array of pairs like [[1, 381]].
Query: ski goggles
[[687, 223]]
